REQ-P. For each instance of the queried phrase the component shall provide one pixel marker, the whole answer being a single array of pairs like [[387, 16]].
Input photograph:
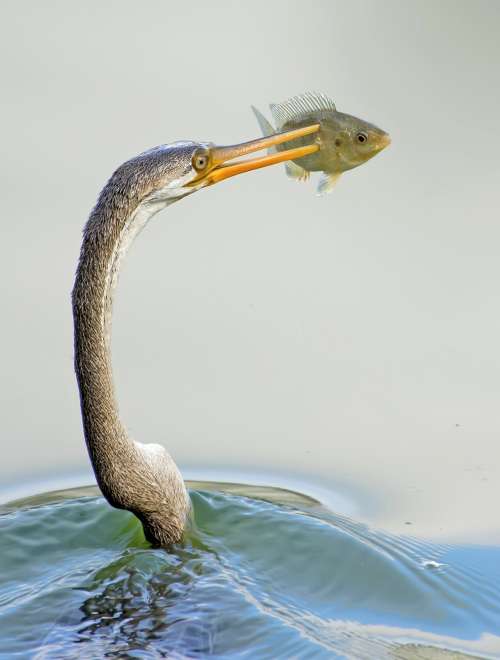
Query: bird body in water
[[141, 478], [345, 141]]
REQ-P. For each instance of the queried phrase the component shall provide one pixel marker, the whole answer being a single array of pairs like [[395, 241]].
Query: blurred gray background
[[346, 345]]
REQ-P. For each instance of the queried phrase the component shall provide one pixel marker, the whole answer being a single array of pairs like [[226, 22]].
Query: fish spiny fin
[[299, 106], [265, 127], [296, 172], [327, 183]]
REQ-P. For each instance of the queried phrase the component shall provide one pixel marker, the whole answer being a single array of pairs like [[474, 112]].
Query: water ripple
[[268, 576]]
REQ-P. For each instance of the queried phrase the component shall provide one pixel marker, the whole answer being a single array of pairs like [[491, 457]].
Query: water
[[262, 573]]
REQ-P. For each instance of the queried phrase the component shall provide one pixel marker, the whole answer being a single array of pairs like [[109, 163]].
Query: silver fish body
[[345, 141]]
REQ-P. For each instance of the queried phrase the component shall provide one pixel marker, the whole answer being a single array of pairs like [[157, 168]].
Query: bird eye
[[200, 160], [361, 137]]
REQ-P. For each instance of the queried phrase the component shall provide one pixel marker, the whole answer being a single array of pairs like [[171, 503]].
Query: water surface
[[262, 573]]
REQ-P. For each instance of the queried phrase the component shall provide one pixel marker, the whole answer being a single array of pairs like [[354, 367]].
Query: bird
[[138, 477]]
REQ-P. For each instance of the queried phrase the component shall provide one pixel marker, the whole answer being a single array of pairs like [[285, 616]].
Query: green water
[[262, 573]]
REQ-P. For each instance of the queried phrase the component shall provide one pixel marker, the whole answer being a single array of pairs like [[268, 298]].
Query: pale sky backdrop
[[346, 345]]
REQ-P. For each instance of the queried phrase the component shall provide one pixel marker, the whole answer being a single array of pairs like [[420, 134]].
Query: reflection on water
[[262, 573]]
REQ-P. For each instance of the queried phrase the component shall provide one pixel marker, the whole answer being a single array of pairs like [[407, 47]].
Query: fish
[[344, 141]]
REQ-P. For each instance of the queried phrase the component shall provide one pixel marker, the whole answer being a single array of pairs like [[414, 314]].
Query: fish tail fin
[[265, 127], [327, 182]]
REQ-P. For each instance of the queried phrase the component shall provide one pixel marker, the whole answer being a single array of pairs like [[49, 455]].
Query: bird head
[[172, 171]]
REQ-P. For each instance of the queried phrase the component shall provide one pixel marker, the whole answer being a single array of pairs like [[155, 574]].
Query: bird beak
[[221, 170]]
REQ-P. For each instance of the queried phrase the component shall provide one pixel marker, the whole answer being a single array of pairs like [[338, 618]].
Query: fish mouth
[[219, 168], [384, 141]]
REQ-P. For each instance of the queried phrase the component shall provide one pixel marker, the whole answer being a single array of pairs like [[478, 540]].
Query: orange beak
[[220, 170]]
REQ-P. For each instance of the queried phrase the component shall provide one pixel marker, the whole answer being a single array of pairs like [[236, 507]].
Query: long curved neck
[[107, 235], [122, 467], [142, 478]]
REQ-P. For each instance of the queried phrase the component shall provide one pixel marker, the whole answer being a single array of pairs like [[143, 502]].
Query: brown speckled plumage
[[141, 478]]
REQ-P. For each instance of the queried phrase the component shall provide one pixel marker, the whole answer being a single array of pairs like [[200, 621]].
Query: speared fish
[[345, 141]]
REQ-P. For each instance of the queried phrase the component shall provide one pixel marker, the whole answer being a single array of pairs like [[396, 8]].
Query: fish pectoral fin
[[328, 182], [265, 127], [296, 172]]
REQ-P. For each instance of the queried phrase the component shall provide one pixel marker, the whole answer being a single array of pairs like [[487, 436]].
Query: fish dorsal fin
[[299, 106]]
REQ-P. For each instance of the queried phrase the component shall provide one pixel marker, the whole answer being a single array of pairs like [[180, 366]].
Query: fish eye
[[200, 160], [362, 137]]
